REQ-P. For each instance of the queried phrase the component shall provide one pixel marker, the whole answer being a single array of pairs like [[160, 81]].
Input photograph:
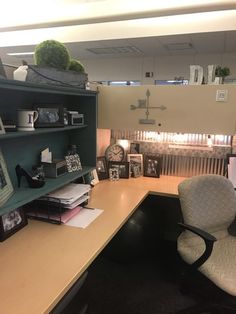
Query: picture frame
[[73, 163], [122, 166], [49, 115], [2, 129], [101, 167], [135, 160], [94, 177], [134, 148], [12, 222], [6, 187], [136, 171], [114, 174], [152, 166]]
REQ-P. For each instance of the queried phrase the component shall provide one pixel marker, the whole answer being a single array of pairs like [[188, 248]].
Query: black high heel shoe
[[33, 182]]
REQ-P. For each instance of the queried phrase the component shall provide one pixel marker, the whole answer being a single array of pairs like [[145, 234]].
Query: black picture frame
[[50, 115], [134, 148], [122, 166], [101, 167], [12, 222], [152, 166]]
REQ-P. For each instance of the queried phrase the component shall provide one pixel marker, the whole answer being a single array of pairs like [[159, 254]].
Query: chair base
[[204, 308]]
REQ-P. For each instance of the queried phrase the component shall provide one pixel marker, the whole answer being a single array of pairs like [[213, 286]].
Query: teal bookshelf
[[24, 147]]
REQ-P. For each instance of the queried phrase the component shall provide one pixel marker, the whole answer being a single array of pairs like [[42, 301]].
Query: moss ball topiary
[[75, 65], [52, 53]]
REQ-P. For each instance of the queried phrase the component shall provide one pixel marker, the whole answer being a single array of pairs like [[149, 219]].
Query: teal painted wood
[[24, 147], [11, 135], [25, 195]]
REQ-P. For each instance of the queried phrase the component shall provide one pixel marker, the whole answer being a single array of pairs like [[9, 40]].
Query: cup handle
[[36, 115]]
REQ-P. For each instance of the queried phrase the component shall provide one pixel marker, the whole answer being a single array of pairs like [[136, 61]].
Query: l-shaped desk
[[42, 261]]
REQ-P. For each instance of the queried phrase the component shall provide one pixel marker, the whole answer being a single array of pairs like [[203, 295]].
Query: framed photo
[[6, 188], [50, 115], [135, 160], [73, 163], [11, 222], [113, 174], [136, 171], [134, 148], [94, 177], [101, 167], [152, 166], [2, 130], [122, 166]]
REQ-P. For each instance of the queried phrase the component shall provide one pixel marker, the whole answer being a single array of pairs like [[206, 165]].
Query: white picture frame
[[2, 129], [94, 177], [135, 160]]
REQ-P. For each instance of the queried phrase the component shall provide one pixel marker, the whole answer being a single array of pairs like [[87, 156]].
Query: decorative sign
[[144, 104], [197, 78]]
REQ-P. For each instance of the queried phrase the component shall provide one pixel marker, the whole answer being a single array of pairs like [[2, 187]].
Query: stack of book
[[61, 205]]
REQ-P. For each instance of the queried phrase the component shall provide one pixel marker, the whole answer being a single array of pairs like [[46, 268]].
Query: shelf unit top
[[44, 88]]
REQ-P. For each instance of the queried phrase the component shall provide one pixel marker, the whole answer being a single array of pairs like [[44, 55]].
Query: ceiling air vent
[[179, 46], [114, 50]]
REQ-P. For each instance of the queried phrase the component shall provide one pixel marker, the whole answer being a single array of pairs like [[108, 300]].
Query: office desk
[[42, 261]]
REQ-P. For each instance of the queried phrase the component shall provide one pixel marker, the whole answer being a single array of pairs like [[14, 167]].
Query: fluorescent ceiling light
[[20, 53]]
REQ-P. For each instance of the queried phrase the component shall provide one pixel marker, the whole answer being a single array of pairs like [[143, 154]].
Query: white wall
[[167, 67]]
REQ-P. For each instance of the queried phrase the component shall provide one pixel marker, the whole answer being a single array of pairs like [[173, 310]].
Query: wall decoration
[[134, 148], [73, 163], [6, 188], [135, 160], [114, 174], [152, 166], [102, 168], [136, 171], [123, 168], [49, 115], [144, 104], [94, 177], [11, 222]]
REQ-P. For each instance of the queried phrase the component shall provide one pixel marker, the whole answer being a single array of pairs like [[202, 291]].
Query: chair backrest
[[207, 202]]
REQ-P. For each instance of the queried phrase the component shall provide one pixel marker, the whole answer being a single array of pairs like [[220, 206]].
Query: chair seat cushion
[[220, 268]]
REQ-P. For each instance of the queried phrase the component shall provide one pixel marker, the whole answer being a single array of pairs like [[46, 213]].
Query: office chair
[[208, 241]]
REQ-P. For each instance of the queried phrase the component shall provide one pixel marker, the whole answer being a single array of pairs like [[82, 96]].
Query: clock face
[[115, 152]]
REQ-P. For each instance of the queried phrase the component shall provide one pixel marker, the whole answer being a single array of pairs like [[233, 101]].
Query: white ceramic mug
[[26, 119]]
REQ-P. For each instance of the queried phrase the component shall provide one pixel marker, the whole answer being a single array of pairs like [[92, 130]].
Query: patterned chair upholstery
[[208, 202]]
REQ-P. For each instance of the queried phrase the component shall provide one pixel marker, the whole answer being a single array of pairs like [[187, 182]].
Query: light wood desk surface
[[42, 261]]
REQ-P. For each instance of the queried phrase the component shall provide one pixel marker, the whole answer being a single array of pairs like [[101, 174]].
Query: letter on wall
[[196, 75]]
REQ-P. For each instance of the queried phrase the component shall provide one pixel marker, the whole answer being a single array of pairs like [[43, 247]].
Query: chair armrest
[[209, 242]]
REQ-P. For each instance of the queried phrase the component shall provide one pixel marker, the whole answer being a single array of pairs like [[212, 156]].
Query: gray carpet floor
[[145, 286]]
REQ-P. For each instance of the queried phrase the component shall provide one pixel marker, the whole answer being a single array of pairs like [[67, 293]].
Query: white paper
[[77, 202], [84, 218], [69, 193], [46, 156]]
